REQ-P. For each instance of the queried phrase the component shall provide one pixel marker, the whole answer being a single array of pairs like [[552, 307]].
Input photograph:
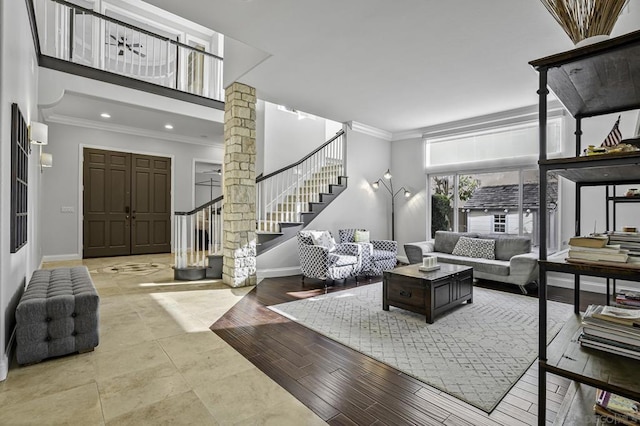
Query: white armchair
[[321, 258], [377, 255]]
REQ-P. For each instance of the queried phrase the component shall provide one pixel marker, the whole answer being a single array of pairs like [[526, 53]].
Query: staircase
[[286, 201]]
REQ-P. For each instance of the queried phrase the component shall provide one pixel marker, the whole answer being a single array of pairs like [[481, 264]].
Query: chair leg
[[523, 289]]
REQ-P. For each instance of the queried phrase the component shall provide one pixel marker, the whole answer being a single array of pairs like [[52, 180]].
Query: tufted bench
[[57, 315]]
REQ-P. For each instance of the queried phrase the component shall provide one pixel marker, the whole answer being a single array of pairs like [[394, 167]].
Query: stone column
[[239, 186]]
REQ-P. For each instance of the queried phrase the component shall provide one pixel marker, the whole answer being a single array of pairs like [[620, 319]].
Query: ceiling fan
[[122, 44]]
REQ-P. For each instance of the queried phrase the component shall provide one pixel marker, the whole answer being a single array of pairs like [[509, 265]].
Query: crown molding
[[407, 134], [96, 125], [370, 130]]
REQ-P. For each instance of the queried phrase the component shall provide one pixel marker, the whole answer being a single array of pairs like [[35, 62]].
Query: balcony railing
[[83, 36]]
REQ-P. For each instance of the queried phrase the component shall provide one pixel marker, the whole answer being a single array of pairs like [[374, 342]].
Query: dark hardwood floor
[[345, 387]]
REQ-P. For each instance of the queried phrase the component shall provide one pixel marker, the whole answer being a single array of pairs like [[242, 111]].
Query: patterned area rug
[[475, 352]]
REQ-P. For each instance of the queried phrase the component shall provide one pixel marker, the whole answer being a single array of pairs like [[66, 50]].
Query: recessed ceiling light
[[168, 126], [105, 115]]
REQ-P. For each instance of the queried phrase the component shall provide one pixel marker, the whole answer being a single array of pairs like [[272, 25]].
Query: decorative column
[[239, 186]]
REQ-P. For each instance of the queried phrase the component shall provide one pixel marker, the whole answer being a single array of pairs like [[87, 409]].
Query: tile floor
[[157, 361]]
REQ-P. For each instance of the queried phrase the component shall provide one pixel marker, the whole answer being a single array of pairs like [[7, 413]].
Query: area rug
[[475, 352]]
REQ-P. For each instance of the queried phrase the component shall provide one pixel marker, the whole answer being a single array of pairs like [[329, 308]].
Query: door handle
[[126, 209], [133, 214]]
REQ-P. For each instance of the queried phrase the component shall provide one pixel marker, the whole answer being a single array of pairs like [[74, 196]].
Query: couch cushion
[[475, 247], [508, 246], [495, 267], [445, 241]]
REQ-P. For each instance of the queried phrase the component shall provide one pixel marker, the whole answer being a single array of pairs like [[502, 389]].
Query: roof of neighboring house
[[506, 197]]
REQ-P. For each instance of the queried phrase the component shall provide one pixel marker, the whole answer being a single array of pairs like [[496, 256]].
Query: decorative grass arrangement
[[585, 18]]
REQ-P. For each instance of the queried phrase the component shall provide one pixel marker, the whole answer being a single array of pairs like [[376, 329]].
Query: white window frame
[[500, 220]]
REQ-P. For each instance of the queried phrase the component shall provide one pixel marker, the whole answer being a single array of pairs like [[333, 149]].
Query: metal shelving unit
[[593, 80]]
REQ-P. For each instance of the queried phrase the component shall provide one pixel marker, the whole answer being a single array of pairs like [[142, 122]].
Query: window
[[514, 144], [19, 179], [500, 223], [493, 202], [483, 176]]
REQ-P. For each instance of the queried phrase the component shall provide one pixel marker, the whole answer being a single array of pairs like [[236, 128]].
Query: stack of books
[[612, 329], [628, 299], [596, 249], [616, 408], [629, 241]]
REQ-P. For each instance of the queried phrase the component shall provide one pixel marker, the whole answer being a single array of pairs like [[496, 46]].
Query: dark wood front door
[[127, 202]]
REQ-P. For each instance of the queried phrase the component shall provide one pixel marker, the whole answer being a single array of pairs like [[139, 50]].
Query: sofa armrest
[[524, 266], [415, 251]]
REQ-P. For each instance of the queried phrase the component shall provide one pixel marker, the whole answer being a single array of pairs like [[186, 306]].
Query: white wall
[[18, 83], [288, 139], [61, 186], [359, 206], [408, 170]]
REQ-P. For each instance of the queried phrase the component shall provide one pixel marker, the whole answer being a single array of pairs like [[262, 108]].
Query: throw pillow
[[324, 239], [475, 247], [361, 236]]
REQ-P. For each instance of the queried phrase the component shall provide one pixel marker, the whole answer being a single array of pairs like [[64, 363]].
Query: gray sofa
[[514, 261]]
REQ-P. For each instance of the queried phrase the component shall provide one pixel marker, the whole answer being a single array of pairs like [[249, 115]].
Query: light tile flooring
[[157, 361]]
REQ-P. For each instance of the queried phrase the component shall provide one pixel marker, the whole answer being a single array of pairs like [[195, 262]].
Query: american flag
[[614, 137]]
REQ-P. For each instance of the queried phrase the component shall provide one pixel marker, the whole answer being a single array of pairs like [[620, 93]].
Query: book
[[597, 241], [629, 317], [595, 333], [599, 255], [609, 349], [589, 320], [608, 248], [618, 404], [633, 347]]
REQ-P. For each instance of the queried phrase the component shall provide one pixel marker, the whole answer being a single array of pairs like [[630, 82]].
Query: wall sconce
[[38, 133], [407, 194], [46, 160]]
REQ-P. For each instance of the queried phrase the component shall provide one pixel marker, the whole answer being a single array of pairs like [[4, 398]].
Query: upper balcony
[[131, 48]]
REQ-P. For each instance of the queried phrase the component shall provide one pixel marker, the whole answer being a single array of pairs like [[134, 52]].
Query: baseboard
[[587, 283], [60, 257], [6, 356], [278, 272]]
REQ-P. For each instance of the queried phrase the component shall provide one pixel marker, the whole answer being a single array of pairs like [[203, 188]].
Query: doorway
[[127, 204]]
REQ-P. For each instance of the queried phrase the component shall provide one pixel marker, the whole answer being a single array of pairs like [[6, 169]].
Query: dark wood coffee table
[[429, 293]]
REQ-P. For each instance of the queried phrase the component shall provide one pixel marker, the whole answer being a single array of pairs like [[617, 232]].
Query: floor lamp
[[407, 194]]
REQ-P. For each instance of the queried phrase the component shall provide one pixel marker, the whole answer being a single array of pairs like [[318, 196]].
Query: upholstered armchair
[[322, 258], [377, 255]]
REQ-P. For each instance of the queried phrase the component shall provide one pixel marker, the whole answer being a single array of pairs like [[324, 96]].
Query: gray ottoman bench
[[57, 315]]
